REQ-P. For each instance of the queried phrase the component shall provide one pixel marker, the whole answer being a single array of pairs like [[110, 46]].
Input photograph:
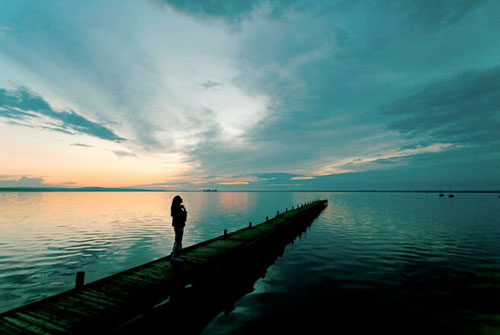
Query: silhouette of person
[[179, 216]]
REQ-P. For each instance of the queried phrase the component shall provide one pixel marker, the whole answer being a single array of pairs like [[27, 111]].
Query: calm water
[[411, 260]]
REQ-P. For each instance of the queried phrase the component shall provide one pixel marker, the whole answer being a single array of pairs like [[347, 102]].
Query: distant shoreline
[[102, 189]]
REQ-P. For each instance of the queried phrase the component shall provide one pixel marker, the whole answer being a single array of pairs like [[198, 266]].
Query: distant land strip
[[104, 189], [78, 189]]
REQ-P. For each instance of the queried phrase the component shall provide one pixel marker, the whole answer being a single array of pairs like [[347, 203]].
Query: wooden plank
[[25, 326], [61, 322], [81, 302], [144, 278], [62, 315], [138, 281], [159, 275], [227, 244], [127, 284], [191, 257], [113, 289], [69, 306], [162, 273], [41, 323], [10, 329], [210, 254], [249, 235], [101, 297]]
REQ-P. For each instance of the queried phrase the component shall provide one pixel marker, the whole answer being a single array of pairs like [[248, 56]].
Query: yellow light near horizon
[[234, 183]]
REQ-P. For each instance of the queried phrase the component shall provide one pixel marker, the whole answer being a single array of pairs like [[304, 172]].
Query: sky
[[250, 94]]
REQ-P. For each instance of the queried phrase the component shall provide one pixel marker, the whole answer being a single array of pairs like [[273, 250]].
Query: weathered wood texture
[[105, 304]]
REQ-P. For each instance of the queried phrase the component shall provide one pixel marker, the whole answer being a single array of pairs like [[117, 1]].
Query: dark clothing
[[178, 242], [179, 216]]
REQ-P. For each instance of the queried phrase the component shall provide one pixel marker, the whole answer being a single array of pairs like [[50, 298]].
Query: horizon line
[[129, 189]]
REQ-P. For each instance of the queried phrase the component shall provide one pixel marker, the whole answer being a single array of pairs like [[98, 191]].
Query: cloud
[[426, 12], [81, 145], [23, 104], [308, 85], [353, 164], [461, 109], [210, 84], [234, 183], [27, 181], [168, 186], [13, 113], [231, 11], [284, 185], [69, 183], [121, 153], [442, 13], [23, 182]]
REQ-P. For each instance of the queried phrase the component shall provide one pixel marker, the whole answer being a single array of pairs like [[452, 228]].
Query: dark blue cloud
[[430, 13], [441, 13], [15, 114], [462, 168], [462, 109], [23, 104]]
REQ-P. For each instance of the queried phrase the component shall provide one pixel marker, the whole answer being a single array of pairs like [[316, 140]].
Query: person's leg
[[178, 242], [179, 232], [175, 248]]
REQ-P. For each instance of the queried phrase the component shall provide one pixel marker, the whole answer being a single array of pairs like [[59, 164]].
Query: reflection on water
[[45, 238], [411, 263], [234, 202], [398, 263]]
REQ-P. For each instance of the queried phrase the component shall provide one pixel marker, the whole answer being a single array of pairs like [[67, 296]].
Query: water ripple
[[406, 244]]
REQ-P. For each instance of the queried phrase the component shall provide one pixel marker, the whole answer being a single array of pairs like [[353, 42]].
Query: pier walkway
[[108, 304]]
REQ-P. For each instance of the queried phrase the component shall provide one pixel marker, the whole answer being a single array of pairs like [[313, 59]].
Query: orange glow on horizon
[[51, 157], [234, 183]]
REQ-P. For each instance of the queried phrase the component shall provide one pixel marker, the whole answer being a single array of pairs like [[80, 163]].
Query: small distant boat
[[441, 195], [451, 195], [209, 190]]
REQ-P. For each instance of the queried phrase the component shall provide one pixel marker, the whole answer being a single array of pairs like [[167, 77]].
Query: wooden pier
[[108, 304]]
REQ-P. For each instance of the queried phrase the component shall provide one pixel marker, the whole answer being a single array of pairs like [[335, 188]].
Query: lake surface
[[408, 262]]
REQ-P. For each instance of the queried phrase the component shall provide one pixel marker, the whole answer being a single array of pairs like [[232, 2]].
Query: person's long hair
[[176, 202]]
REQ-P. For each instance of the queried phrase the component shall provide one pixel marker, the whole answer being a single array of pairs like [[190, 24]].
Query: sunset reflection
[[232, 202]]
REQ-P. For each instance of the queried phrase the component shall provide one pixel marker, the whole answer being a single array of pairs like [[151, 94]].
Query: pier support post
[[225, 233], [250, 224], [277, 213], [267, 218], [80, 278]]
